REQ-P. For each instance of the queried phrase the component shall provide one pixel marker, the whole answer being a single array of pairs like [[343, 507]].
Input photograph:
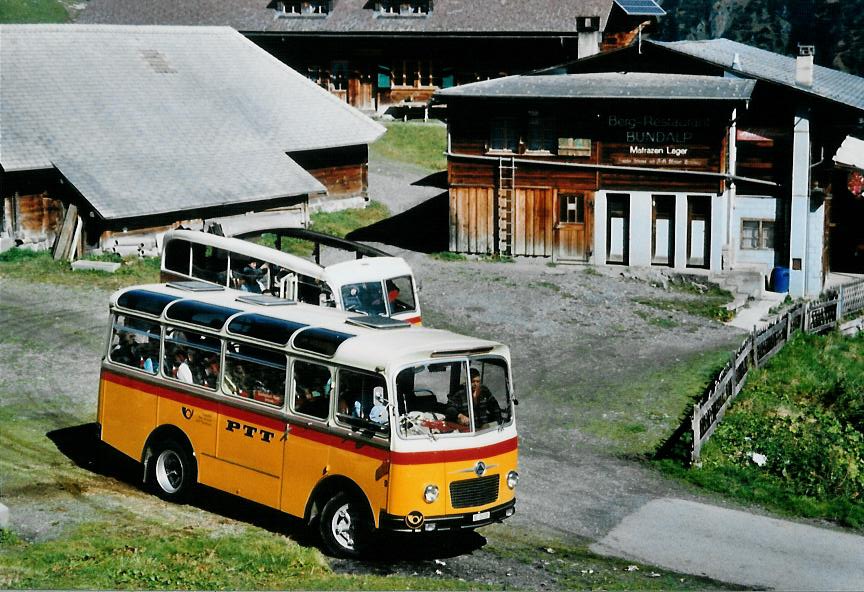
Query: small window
[[177, 256], [400, 294], [189, 357], [255, 373], [365, 297], [574, 146], [135, 343], [540, 137], [362, 401], [312, 386], [504, 137], [571, 209], [757, 234]]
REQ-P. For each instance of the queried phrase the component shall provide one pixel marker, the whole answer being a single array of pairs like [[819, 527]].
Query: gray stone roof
[[472, 17], [773, 67], [606, 85], [151, 120]]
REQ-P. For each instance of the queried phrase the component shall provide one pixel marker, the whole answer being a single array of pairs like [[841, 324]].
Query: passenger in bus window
[[125, 350], [181, 369], [211, 372], [486, 409], [313, 383], [254, 277]]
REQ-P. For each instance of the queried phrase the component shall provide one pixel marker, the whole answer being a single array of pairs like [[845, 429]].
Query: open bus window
[[400, 294], [250, 275], [365, 297], [135, 343], [209, 264], [255, 373], [189, 356], [312, 386], [453, 397], [362, 401], [177, 256]]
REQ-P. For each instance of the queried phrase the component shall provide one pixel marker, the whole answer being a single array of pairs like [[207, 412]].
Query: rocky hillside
[[835, 27]]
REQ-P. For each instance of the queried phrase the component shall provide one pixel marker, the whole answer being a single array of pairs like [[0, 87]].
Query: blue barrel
[[780, 279]]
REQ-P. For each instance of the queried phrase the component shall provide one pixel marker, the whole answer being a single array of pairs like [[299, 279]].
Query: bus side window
[[255, 373], [312, 386], [357, 406], [177, 256], [188, 355], [135, 343], [210, 264]]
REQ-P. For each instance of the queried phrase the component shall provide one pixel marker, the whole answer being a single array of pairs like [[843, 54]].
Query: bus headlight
[[431, 493], [512, 479]]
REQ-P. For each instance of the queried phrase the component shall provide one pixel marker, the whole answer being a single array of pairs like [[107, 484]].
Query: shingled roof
[[146, 121], [606, 85], [470, 17], [772, 67]]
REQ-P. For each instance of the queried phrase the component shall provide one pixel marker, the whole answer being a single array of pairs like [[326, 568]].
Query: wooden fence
[[813, 317]]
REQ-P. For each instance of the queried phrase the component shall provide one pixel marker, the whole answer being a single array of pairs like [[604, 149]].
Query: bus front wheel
[[344, 526], [171, 471]]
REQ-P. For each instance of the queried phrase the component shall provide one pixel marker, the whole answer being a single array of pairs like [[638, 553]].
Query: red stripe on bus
[[436, 456], [334, 440]]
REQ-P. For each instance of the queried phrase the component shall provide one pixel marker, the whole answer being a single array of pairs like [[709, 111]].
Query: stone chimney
[[804, 66]]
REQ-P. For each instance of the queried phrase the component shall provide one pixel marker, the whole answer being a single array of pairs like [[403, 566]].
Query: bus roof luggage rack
[[264, 300], [376, 322], [196, 286]]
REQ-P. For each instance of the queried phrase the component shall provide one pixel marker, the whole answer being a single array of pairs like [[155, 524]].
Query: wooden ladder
[[506, 189]]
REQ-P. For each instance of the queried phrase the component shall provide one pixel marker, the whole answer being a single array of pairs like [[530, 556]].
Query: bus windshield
[[453, 397]]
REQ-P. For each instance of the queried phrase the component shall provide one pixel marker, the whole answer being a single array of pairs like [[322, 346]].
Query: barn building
[[126, 129], [379, 54], [705, 155]]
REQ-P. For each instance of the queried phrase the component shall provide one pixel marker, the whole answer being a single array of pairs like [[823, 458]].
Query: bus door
[[307, 450], [249, 441]]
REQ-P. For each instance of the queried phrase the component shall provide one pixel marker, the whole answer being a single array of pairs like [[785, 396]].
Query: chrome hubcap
[[169, 471], [342, 527]]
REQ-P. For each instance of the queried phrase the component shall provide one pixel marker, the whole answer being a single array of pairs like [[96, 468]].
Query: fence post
[[696, 424], [839, 308], [805, 321], [733, 380], [753, 348], [788, 327]]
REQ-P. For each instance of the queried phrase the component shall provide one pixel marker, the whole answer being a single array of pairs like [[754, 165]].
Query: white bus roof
[[368, 348], [367, 269]]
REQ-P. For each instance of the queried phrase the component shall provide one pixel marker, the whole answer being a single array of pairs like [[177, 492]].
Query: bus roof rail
[[461, 352], [319, 238]]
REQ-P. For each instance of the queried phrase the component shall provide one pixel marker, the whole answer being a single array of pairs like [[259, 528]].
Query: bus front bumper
[[416, 522]]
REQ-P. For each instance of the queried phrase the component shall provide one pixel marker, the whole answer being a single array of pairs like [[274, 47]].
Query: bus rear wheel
[[171, 471], [344, 526]]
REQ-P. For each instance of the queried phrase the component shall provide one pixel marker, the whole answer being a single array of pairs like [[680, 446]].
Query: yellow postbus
[[355, 423]]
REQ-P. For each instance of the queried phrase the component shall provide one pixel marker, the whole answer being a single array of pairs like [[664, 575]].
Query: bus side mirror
[[378, 396]]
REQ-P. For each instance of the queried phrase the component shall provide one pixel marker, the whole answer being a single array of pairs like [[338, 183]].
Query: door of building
[[573, 226], [698, 231], [618, 228], [663, 230]]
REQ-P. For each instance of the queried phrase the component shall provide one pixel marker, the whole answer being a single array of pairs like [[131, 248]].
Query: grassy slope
[[32, 11], [805, 413], [417, 143]]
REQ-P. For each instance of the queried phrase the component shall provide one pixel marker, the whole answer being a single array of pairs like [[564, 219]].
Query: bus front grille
[[474, 492]]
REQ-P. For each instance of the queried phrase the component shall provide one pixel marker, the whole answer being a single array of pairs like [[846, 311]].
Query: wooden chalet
[[157, 126], [379, 54], [686, 155]]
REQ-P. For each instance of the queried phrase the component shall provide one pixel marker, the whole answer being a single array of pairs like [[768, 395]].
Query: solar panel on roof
[[640, 7], [376, 322], [196, 286]]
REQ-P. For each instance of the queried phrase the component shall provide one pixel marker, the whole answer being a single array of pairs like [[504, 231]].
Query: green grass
[[422, 144], [333, 223], [448, 256], [133, 554], [639, 415], [708, 306], [32, 11], [40, 267], [805, 413], [664, 322]]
